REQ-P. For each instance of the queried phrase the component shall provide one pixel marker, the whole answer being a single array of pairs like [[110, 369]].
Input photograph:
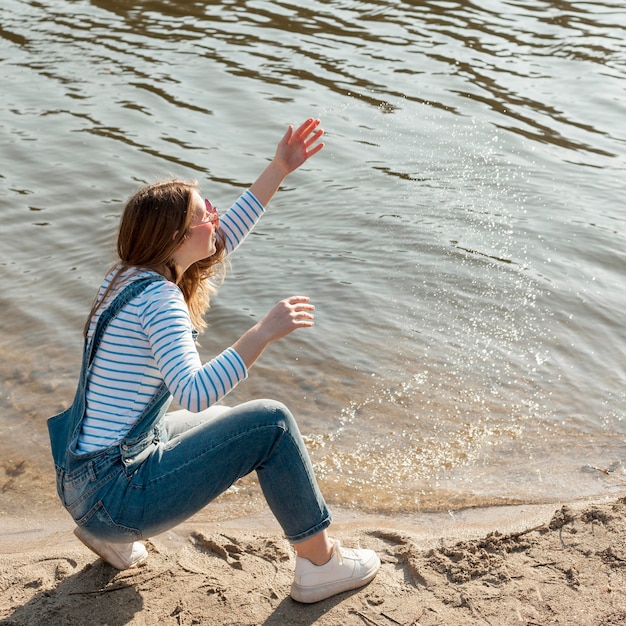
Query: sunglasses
[[211, 216]]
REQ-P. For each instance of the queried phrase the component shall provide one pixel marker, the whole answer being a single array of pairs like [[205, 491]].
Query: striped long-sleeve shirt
[[150, 341]]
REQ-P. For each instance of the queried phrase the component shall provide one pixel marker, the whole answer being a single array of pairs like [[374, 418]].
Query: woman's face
[[200, 241]]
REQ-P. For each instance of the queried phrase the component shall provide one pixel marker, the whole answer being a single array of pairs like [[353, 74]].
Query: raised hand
[[297, 146], [293, 150]]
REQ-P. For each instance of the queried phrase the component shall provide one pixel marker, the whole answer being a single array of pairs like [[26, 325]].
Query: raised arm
[[297, 311], [293, 150]]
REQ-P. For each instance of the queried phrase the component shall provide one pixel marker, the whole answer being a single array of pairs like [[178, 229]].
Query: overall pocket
[[99, 522], [88, 482]]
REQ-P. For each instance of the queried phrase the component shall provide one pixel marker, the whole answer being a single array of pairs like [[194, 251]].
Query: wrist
[[278, 169], [263, 333], [251, 344]]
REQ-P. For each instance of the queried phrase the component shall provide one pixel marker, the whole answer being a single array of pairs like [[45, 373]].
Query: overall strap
[[65, 427], [129, 292], [160, 400]]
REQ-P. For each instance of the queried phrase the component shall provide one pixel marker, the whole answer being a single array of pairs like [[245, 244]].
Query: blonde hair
[[154, 223]]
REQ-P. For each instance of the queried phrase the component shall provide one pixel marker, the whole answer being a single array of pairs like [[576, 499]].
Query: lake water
[[462, 235]]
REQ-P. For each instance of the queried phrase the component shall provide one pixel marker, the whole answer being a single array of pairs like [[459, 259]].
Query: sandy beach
[[517, 565], [462, 236]]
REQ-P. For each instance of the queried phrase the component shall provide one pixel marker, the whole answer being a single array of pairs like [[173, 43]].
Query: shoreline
[[517, 564], [54, 526]]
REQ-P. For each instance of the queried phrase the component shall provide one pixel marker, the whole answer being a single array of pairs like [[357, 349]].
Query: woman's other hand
[[281, 320], [286, 316]]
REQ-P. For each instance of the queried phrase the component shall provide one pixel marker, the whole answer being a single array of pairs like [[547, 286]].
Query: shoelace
[[340, 552]]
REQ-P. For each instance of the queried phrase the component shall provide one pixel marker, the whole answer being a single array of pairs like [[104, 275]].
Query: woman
[[126, 470]]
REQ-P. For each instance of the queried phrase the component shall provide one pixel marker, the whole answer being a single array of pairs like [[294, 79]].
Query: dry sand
[[514, 565]]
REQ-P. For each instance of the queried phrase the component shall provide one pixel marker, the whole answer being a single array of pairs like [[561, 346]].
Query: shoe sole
[[78, 532], [308, 595]]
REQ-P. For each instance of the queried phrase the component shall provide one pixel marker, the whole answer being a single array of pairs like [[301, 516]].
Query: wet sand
[[530, 565]]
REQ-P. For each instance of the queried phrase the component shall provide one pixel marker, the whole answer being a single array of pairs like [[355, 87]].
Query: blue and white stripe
[[150, 341]]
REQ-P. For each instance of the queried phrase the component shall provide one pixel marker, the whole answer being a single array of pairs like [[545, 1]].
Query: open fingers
[[311, 144], [303, 302], [307, 127], [309, 132], [301, 309]]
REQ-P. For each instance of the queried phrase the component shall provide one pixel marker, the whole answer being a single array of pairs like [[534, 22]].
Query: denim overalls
[[81, 479], [168, 467]]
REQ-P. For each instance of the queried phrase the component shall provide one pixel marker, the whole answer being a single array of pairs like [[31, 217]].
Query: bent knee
[[276, 411]]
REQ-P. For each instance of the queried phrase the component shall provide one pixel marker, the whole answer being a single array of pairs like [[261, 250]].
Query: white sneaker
[[119, 555], [347, 569]]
